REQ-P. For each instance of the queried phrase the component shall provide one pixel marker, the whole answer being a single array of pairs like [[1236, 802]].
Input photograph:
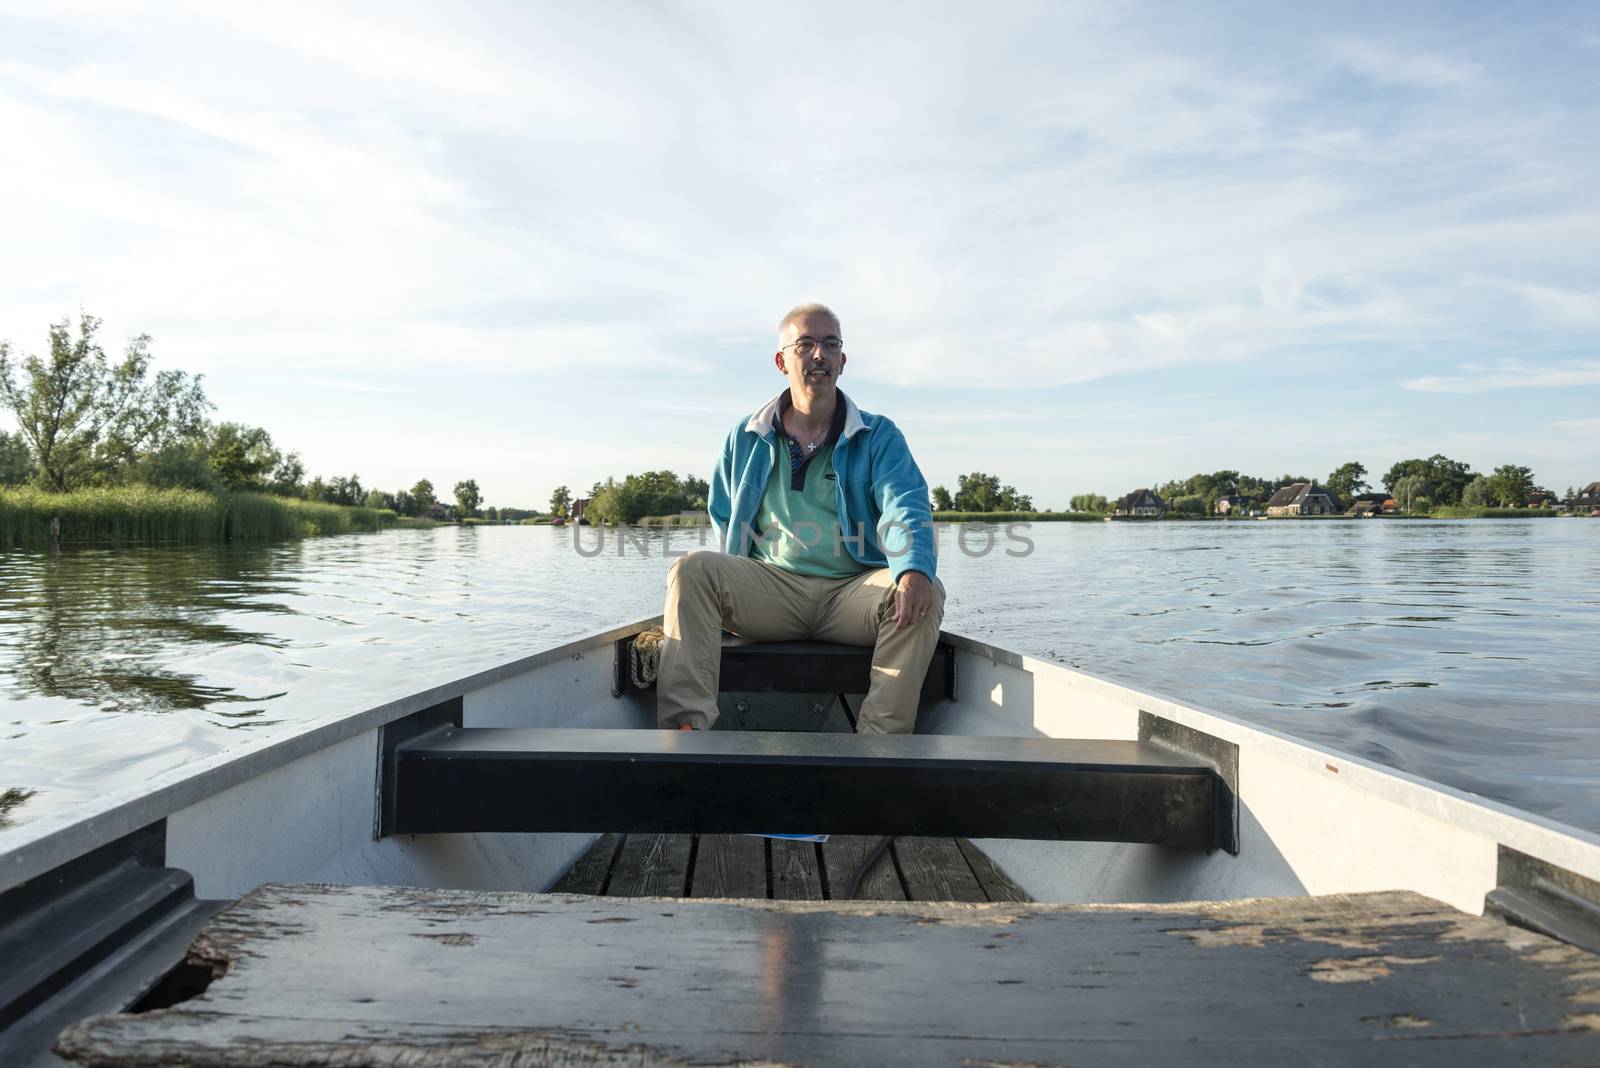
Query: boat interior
[[514, 868]]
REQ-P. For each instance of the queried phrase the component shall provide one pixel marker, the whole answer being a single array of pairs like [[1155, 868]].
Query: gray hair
[[800, 311]]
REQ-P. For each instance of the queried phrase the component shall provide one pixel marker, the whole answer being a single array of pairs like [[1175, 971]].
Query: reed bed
[[257, 517], [699, 519], [110, 514], [1453, 511], [142, 514]]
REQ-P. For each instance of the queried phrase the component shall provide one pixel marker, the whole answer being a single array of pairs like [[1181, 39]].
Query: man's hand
[[913, 598]]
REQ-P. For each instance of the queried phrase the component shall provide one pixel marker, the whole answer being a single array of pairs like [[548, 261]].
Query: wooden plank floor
[[744, 866], [388, 975]]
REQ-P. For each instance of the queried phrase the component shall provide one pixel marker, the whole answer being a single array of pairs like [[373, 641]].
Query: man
[[826, 532]]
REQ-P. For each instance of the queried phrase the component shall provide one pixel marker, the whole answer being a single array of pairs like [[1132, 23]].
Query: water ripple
[[1463, 652]]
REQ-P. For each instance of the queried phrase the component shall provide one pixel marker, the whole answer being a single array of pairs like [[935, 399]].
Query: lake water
[[1464, 652]]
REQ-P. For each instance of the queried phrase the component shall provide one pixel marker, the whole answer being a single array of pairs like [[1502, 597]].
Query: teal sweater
[[882, 497]]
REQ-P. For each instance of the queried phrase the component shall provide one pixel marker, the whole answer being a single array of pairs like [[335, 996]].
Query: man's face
[[812, 374]]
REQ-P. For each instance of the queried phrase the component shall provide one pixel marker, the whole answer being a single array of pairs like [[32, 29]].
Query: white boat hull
[[301, 808]]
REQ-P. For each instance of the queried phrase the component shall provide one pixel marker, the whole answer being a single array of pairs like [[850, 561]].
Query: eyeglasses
[[807, 345]]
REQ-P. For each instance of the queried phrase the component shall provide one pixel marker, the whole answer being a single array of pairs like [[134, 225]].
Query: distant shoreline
[[1096, 517], [677, 522], [141, 515]]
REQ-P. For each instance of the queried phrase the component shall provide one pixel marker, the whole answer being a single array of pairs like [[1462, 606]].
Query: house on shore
[[1141, 503], [1233, 504], [1370, 504], [1587, 500], [579, 506], [1303, 498]]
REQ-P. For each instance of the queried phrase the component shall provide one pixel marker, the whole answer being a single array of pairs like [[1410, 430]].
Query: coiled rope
[[644, 657]]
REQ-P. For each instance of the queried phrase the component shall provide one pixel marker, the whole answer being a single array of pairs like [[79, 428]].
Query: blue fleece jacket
[[884, 513]]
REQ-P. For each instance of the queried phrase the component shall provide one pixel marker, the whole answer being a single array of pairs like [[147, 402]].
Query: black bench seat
[[800, 667], [455, 779]]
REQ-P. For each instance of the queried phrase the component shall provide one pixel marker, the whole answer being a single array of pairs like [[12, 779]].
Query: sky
[[1085, 247]]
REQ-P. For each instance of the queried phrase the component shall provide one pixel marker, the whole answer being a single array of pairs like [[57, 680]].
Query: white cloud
[[997, 201], [1389, 67], [338, 385], [1588, 427], [1564, 305], [1511, 374]]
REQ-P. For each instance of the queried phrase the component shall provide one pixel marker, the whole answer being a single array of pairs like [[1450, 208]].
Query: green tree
[[1217, 484], [1510, 485], [606, 504], [1409, 490], [1447, 477], [288, 478], [1191, 504], [1478, 493], [16, 462], [346, 491], [1090, 502], [977, 492], [179, 465], [405, 504], [561, 501], [468, 497], [84, 416], [1208, 487], [698, 492], [1258, 489], [1347, 480], [941, 499], [652, 493], [1012, 501], [380, 499], [242, 456], [1403, 469], [422, 495]]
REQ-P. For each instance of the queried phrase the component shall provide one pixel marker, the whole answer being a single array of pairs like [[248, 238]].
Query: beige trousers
[[709, 592]]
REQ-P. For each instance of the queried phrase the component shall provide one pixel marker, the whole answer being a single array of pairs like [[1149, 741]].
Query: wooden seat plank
[[936, 870], [997, 885], [843, 855], [588, 873], [795, 874], [651, 865], [349, 974], [729, 865]]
